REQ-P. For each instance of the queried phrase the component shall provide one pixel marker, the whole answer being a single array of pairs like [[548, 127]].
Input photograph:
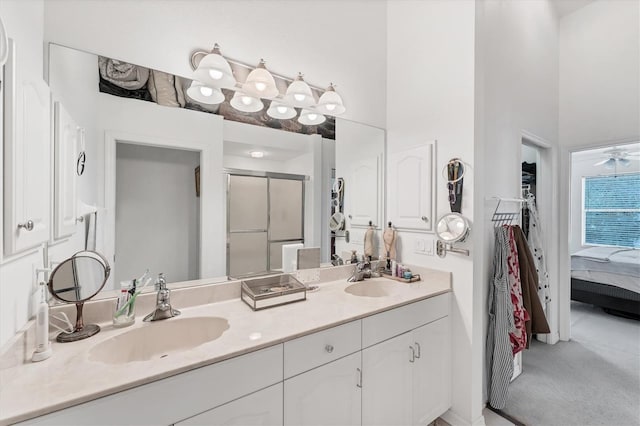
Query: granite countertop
[[70, 377]]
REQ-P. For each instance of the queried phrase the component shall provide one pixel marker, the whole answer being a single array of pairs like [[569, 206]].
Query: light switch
[[424, 246]]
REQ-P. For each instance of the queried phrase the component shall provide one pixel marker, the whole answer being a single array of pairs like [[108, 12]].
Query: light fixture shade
[[624, 162], [311, 118], [256, 154], [260, 83], [245, 103], [610, 163], [214, 71], [299, 93], [281, 111], [331, 102], [204, 94]]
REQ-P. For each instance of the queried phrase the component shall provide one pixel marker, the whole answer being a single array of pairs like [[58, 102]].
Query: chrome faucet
[[363, 270], [163, 308]]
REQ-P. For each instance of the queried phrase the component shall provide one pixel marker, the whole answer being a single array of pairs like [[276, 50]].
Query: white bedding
[[608, 265]]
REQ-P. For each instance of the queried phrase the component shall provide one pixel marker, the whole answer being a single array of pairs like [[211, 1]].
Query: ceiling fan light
[[260, 83], [280, 111], [624, 162], [204, 94], [214, 71], [311, 118], [331, 102], [610, 164], [299, 93], [245, 103]]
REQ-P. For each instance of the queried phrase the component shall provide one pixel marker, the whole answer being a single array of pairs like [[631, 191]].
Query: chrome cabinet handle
[[27, 226], [328, 348], [424, 218], [417, 350], [359, 382], [413, 354]]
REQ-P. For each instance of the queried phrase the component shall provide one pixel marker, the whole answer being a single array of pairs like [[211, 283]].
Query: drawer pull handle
[[359, 382], [417, 350], [328, 348], [413, 354], [27, 226]]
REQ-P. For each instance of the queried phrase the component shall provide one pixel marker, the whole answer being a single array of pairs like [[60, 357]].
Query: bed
[[608, 277]]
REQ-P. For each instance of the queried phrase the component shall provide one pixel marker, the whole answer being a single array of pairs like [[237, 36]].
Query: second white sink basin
[[158, 339], [373, 288]]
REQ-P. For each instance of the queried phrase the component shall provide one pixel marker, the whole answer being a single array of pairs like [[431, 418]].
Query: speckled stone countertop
[[71, 377]]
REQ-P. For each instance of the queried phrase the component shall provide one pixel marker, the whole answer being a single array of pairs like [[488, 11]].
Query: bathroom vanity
[[336, 358]]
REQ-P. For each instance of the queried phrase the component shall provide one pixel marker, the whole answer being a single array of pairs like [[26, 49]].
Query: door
[[386, 379], [327, 395], [26, 161], [286, 216], [411, 188], [432, 371], [262, 408], [247, 221], [66, 133], [363, 204]]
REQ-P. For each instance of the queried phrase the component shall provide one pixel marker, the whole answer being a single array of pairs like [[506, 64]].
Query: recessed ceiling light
[[257, 154]]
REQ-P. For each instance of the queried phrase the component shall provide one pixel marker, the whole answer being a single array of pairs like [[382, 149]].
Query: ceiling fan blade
[[600, 163]]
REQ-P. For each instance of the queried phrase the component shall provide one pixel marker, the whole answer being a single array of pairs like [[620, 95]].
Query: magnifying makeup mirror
[[77, 280], [451, 228], [336, 222]]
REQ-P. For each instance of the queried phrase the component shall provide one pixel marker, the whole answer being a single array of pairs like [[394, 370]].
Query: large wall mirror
[[156, 181]]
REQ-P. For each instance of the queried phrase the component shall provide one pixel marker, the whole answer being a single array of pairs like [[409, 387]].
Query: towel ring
[[445, 170]]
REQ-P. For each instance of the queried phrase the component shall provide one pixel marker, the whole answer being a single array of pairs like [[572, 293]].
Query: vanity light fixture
[[246, 103], [281, 111], [204, 94], [331, 102], [311, 118], [260, 83], [299, 93], [214, 70], [256, 154]]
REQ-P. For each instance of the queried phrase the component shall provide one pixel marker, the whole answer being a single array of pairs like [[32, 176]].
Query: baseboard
[[455, 420], [549, 339]]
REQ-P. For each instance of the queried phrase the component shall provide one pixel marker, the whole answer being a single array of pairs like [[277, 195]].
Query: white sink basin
[[373, 288], [158, 339]]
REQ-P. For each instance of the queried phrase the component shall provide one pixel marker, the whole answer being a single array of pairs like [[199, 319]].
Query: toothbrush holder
[[126, 315]]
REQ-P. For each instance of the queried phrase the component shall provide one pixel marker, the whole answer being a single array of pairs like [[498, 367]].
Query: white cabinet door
[[262, 408], [327, 395], [66, 133], [26, 162], [364, 189], [387, 394], [411, 188], [432, 371]]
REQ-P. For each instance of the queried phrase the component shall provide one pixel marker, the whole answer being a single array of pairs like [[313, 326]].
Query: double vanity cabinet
[[388, 366]]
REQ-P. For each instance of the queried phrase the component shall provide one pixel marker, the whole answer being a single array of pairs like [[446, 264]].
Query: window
[[611, 210]]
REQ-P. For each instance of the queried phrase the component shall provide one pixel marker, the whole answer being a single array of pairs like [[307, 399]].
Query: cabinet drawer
[[311, 351], [392, 323], [178, 397]]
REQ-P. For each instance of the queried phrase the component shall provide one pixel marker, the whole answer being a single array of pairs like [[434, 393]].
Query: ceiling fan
[[618, 157]]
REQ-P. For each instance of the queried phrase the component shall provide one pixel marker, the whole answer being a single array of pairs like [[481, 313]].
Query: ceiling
[[599, 153], [270, 153], [565, 7]]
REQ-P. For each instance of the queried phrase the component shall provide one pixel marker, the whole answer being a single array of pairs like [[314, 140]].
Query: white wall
[[517, 95], [600, 73], [430, 95], [157, 213], [599, 100], [329, 41]]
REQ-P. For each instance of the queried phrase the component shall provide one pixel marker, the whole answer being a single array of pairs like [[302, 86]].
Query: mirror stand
[[80, 331], [442, 248]]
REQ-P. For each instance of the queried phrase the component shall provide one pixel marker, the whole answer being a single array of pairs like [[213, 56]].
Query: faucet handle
[[161, 282]]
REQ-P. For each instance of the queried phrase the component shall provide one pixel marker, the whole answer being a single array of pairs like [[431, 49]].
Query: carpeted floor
[[594, 379]]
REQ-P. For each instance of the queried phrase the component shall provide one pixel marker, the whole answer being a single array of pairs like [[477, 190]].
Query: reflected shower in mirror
[[128, 143]]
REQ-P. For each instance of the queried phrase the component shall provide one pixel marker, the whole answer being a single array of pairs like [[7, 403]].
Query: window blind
[[611, 208]]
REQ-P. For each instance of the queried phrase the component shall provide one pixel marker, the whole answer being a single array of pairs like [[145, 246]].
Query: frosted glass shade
[[280, 111], [204, 94], [260, 83], [299, 93], [245, 103], [331, 102], [214, 71], [311, 118]]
